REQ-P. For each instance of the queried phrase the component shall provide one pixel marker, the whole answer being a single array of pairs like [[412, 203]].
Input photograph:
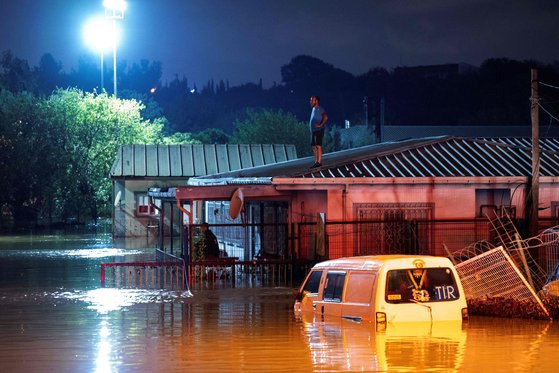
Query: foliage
[[180, 138], [96, 125], [57, 151], [266, 126], [212, 136], [31, 159]]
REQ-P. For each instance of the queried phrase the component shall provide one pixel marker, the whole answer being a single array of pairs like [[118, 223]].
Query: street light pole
[[100, 37], [114, 9], [102, 74], [114, 59]]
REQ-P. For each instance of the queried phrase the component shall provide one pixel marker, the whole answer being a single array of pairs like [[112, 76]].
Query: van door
[[358, 296], [309, 291], [331, 303]]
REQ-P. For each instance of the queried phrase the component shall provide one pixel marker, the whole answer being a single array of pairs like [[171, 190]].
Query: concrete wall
[[449, 202]]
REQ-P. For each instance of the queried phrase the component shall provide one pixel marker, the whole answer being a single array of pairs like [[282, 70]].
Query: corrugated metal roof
[[449, 157], [443, 156], [195, 159]]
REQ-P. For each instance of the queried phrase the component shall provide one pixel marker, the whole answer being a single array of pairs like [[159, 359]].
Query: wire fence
[[311, 241]]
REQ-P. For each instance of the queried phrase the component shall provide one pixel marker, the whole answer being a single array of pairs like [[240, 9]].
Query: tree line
[[494, 93]]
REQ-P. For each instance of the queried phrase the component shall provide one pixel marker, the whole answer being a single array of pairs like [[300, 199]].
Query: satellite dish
[[236, 204], [117, 198]]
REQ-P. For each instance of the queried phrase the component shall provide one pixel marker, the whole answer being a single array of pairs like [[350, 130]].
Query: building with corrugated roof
[[140, 167], [382, 192]]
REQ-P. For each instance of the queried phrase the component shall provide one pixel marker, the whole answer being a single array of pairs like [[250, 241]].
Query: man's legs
[[318, 154]]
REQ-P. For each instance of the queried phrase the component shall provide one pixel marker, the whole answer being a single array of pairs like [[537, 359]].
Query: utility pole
[[366, 109], [381, 121], [535, 187]]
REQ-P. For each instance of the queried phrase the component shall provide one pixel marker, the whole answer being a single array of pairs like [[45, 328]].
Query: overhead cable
[[547, 112], [549, 85]]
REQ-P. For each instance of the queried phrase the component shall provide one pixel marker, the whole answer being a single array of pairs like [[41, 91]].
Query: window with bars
[[394, 228]]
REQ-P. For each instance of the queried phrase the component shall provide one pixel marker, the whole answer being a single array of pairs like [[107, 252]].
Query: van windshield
[[421, 285], [313, 282]]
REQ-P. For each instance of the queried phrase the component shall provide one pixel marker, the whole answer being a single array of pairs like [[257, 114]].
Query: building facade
[[140, 167], [383, 198]]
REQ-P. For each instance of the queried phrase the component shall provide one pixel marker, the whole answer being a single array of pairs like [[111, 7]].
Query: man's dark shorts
[[316, 138]]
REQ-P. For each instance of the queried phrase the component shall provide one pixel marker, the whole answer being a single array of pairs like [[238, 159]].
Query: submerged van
[[385, 288]]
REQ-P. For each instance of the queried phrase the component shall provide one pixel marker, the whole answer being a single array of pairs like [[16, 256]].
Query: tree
[[180, 138], [15, 74], [32, 159], [212, 136], [96, 125], [266, 126], [48, 74]]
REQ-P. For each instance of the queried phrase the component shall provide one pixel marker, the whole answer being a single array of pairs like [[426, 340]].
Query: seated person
[[210, 243]]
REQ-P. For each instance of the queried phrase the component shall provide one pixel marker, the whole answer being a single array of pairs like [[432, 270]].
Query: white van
[[386, 288]]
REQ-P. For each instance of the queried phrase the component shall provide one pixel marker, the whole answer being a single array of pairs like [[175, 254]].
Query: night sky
[[244, 40]]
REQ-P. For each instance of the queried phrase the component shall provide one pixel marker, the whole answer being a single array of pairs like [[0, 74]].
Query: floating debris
[[507, 281], [507, 307]]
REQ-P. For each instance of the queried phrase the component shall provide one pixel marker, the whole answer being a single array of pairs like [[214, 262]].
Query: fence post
[[102, 275]]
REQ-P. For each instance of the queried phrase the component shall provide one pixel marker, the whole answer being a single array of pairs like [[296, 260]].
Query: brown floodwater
[[54, 317]]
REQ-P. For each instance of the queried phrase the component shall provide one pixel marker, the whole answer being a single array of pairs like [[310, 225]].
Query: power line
[[549, 85], [547, 112]]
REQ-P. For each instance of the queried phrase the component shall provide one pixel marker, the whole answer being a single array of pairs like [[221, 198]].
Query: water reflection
[[104, 300], [93, 253], [103, 362], [54, 317], [350, 346]]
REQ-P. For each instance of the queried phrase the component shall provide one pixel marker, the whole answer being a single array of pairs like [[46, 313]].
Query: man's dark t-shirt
[[212, 247]]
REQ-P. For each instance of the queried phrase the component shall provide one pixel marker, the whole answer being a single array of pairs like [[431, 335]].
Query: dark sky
[[244, 40]]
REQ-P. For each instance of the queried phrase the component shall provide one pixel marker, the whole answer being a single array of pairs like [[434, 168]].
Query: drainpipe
[[187, 238], [344, 202]]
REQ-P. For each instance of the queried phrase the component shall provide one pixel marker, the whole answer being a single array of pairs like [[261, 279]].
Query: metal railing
[[230, 273], [144, 275]]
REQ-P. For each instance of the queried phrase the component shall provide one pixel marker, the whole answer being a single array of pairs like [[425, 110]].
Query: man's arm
[[324, 119]]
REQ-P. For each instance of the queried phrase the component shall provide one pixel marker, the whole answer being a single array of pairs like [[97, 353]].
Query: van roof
[[377, 261]]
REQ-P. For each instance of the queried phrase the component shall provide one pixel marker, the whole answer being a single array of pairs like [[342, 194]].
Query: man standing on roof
[[316, 125]]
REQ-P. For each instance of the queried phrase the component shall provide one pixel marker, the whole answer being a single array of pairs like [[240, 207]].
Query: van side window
[[334, 286], [313, 282]]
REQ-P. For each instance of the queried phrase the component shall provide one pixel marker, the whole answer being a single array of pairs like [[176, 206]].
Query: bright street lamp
[[114, 9], [100, 35]]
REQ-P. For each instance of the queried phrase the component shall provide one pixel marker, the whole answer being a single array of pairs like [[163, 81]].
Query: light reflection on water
[[77, 253], [54, 317], [104, 300]]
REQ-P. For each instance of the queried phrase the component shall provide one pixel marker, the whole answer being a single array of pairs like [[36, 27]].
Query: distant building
[[436, 71], [355, 136], [140, 167], [401, 132]]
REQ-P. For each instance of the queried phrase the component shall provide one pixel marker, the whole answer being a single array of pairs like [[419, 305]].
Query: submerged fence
[[144, 275], [243, 274], [227, 273]]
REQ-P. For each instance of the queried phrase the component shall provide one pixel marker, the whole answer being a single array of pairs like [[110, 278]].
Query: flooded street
[[55, 317]]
